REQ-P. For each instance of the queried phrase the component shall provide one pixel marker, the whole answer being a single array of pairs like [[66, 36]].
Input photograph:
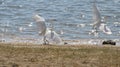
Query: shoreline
[[65, 42]]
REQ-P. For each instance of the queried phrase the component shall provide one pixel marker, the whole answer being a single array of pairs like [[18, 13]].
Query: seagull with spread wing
[[98, 23], [49, 36]]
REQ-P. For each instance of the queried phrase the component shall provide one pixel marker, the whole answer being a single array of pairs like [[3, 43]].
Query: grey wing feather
[[41, 28], [40, 21], [96, 14]]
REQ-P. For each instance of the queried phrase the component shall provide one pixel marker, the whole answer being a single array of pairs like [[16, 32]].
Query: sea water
[[73, 18]]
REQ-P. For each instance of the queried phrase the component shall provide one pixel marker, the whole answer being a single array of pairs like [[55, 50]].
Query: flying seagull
[[98, 23], [49, 36]]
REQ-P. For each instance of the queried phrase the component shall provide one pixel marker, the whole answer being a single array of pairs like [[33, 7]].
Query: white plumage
[[98, 24], [49, 36], [105, 29], [40, 21], [52, 37]]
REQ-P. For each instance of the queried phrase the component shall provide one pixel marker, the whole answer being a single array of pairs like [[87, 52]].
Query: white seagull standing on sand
[[98, 24], [49, 36]]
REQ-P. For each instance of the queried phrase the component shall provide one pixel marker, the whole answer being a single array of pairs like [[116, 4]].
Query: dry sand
[[34, 55]]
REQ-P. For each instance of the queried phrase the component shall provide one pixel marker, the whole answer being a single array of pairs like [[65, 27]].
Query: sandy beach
[[34, 55], [75, 31]]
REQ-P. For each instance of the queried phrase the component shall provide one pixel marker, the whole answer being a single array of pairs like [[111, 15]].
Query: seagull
[[49, 36], [98, 23]]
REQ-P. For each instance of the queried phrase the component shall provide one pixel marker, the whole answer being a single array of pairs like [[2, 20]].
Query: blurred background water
[[73, 18]]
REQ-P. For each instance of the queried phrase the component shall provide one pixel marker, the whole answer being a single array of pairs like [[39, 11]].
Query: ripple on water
[[73, 18]]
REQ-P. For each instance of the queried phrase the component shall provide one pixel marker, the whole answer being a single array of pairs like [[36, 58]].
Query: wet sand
[[94, 41]]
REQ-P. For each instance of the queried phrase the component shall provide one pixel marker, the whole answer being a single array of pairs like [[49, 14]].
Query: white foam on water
[[81, 25]]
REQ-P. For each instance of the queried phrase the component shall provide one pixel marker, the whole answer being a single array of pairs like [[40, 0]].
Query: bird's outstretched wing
[[97, 21], [96, 16], [40, 21]]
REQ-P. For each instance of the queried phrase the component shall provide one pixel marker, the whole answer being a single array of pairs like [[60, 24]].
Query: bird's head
[[38, 18]]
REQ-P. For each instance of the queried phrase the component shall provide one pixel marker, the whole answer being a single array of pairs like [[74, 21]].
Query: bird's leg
[[45, 41], [95, 32]]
